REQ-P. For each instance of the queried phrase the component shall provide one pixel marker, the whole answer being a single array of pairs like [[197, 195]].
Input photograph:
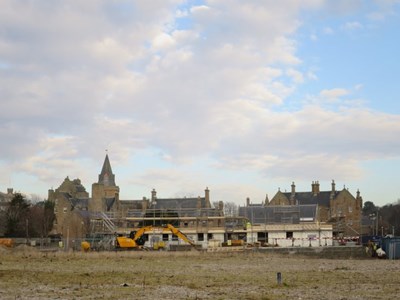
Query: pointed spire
[[106, 176]]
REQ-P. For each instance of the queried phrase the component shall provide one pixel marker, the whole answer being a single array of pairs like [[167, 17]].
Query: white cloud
[[295, 75], [328, 31], [383, 9], [163, 41], [358, 87], [351, 26], [95, 75], [311, 75], [333, 94], [199, 9]]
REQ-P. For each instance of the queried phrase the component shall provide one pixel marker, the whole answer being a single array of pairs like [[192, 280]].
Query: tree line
[[384, 220], [24, 219]]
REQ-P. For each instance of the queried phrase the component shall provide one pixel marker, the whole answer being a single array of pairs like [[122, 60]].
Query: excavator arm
[[142, 231], [180, 234]]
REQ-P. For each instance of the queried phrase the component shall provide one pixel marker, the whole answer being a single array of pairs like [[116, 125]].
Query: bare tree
[[231, 209], [41, 219], [3, 223]]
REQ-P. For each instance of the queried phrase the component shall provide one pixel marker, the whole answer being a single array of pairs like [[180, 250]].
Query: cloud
[[328, 31], [297, 76], [383, 9], [333, 94], [351, 26], [311, 141], [78, 79]]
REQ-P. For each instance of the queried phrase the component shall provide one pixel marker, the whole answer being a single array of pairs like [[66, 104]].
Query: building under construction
[[105, 215]]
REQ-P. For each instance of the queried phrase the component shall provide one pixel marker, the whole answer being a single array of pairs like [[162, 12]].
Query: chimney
[[333, 186], [247, 201], [293, 193], [315, 188], [221, 206], [293, 188], [207, 197], [153, 195], [359, 200], [10, 191]]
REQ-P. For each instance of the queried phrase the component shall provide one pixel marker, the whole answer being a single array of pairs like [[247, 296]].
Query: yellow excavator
[[135, 240]]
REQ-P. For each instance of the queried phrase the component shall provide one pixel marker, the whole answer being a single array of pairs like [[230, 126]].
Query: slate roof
[[288, 214], [79, 203], [131, 204], [307, 198], [185, 207], [80, 188], [178, 203], [109, 202]]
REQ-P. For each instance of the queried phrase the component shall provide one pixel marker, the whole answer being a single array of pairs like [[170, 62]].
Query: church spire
[[106, 176]]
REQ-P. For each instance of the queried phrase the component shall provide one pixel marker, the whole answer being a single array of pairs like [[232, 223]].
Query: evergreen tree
[[17, 217]]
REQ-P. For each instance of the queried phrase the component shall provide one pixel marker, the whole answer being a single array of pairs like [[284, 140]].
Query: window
[[262, 237], [165, 237], [209, 236], [350, 209], [200, 237], [289, 234], [65, 210], [174, 237]]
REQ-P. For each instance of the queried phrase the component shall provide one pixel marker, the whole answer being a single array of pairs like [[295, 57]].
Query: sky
[[242, 97]]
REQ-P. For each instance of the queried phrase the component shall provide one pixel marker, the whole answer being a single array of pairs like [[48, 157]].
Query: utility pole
[[27, 230]]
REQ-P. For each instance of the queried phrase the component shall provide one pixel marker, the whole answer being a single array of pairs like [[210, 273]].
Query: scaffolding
[[196, 220]]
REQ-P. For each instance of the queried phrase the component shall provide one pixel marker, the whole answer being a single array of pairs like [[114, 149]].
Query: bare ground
[[27, 274]]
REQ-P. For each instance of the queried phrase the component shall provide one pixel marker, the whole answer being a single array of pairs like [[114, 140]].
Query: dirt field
[[27, 274]]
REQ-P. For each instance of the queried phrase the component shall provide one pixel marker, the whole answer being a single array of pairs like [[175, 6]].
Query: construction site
[[163, 230], [201, 228], [105, 222]]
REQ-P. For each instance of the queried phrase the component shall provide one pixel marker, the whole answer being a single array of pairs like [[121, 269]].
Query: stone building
[[77, 212], [340, 208], [70, 199]]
